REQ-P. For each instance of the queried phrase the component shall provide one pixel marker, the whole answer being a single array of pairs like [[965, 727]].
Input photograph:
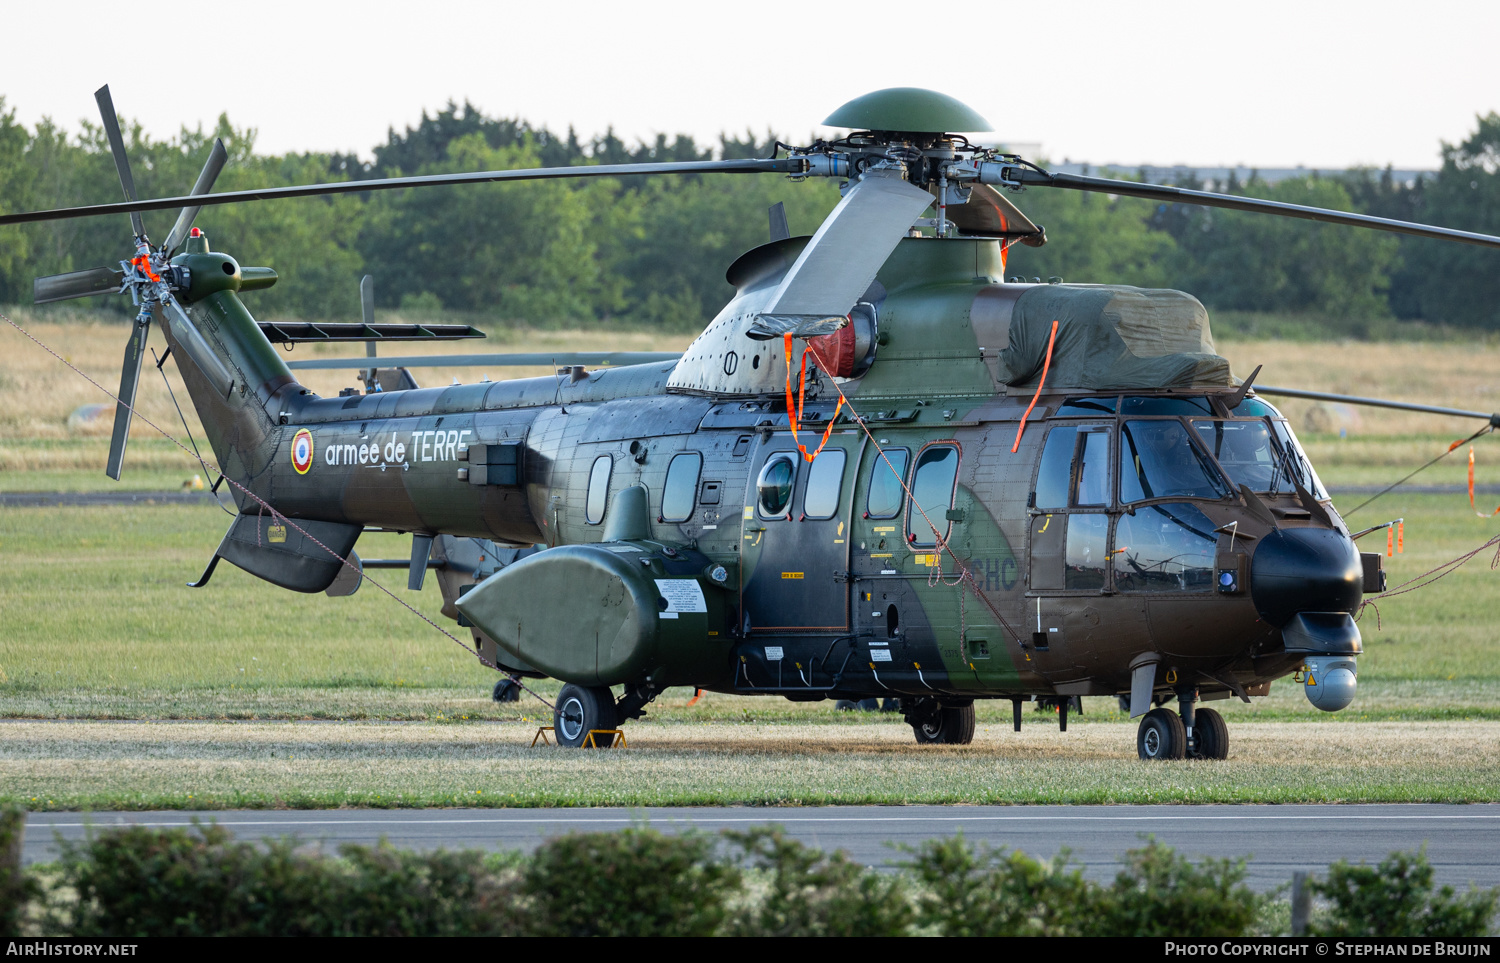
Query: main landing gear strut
[[1189, 733]]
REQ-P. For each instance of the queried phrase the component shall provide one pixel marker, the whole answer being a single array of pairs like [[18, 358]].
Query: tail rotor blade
[[117, 147], [210, 173], [130, 376], [76, 284]]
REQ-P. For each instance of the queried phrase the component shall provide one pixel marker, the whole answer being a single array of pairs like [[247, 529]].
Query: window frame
[[838, 498], [911, 503], [878, 463], [790, 455]]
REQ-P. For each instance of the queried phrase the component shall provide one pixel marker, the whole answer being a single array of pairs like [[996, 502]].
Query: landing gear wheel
[[1210, 736], [506, 690], [1161, 736], [581, 709], [949, 725]]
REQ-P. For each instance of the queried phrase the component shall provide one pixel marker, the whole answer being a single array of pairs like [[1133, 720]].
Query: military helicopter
[[883, 470]]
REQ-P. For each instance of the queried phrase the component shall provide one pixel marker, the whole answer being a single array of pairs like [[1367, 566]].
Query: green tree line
[[652, 251]]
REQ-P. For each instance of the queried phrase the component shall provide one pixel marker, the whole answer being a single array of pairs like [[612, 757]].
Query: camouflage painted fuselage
[[836, 601]]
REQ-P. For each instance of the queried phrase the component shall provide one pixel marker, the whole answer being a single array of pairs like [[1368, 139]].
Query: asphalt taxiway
[[1462, 841]]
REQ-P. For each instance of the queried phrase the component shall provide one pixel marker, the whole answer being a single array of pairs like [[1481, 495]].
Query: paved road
[[77, 499], [1463, 842]]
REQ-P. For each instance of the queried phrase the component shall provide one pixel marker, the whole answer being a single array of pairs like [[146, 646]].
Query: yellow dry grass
[[38, 393], [193, 765]]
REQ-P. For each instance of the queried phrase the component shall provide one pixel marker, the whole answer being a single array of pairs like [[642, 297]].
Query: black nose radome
[[1305, 570]]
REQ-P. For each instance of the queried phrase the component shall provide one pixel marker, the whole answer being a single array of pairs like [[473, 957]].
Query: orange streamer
[[1046, 364], [794, 412], [1400, 536], [1390, 541], [144, 263]]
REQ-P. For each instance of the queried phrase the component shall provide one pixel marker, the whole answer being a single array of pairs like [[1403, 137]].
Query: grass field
[[73, 765], [99, 626]]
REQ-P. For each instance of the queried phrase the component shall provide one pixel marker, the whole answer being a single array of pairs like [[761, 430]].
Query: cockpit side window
[[1164, 548]]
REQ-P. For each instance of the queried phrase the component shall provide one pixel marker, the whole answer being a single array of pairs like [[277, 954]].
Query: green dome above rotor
[[908, 109]]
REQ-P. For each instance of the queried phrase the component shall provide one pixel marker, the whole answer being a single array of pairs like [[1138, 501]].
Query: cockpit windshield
[[1248, 452], [1159, 460]]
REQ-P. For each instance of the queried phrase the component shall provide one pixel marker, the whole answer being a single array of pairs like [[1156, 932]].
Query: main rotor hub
[[908, 110]]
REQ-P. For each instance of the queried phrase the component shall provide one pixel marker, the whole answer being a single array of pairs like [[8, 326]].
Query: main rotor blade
[[205, 183], [990, 214], [841, 260], [76, 284], [786, 165], [122, 162], [1181, 195], [130, 376], [1492, 418], [538, 359]]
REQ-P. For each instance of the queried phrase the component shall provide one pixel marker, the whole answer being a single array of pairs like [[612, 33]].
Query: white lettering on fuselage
[[423, 446]]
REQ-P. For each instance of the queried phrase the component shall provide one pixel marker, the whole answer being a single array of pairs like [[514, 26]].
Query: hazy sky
[[1269, 84]]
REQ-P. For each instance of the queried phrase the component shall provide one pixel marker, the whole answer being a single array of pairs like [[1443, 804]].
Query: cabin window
[[825, 482], [773, 489], [1243, 449], [1087, 552], [886, 495], [1159, 460], [932, 485], [682, 484], [1165, 548], [598, 489]]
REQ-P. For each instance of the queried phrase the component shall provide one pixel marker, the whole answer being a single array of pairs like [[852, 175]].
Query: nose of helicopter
[[1305, 570]]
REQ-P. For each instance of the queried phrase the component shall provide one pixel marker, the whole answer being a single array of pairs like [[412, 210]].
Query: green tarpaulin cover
[[1112, 336]]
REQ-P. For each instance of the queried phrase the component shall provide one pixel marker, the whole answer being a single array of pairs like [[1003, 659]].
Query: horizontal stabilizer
[[272, 549], [303, 332]]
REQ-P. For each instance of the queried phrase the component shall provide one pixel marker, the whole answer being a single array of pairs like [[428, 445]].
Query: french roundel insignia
[[302, 451]]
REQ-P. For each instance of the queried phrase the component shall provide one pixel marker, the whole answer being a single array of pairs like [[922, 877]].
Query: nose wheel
[[1162, 735], [1210, 736]]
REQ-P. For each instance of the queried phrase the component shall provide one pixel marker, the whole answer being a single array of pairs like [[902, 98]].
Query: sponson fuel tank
[[621, 611]]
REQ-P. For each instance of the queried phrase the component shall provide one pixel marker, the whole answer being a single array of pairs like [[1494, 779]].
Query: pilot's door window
[[1070, 527]]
